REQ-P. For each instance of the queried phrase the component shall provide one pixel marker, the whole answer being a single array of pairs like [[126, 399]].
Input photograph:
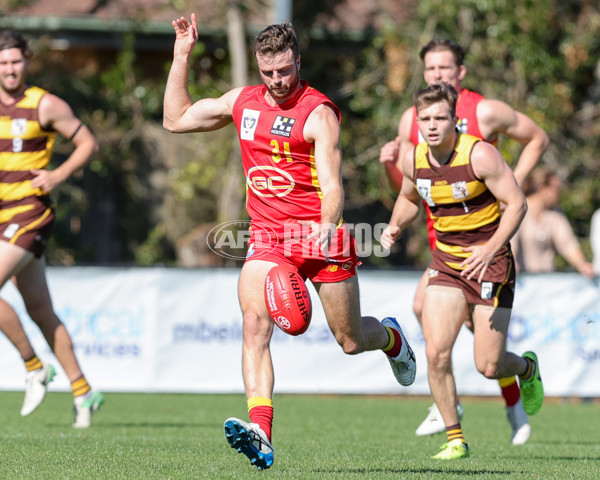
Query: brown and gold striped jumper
[[464, 211], [24, 145]]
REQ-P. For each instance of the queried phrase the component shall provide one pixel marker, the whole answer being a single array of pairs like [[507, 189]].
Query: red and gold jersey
[[466, 111], [24, 144], [282, 187], [464, 212]]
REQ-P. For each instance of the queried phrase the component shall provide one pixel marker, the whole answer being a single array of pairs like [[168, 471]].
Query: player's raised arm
[[180, 113]]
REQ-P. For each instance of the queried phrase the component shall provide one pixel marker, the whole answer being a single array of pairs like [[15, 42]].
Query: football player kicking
[[290, 141], [463, 180]]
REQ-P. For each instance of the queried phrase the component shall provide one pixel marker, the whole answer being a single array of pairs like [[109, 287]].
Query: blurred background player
[[463, 180], [287, 130], [443, 61], [545, 230], [30, 118]]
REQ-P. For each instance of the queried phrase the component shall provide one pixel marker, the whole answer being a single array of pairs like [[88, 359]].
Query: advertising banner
[[180, 330]]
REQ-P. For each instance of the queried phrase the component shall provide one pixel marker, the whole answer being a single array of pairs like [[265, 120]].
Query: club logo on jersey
[[267, 181], [18, 126], [283, 126], [249, 124], [460, 190]]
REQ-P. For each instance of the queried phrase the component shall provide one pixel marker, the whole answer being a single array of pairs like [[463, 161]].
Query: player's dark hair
[[436, 93], [12, 39], [441, 45], [276, 39]]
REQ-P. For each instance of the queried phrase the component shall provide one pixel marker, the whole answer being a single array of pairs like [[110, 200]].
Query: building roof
[[211, 14]]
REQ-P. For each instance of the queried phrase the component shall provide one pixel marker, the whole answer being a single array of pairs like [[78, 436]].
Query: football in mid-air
[[288, 300]]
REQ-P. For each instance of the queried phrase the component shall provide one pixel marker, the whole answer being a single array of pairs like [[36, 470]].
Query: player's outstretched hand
[[186, 34]]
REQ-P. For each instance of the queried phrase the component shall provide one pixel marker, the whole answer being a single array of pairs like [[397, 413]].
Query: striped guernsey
[[463, 210], [24, 144]]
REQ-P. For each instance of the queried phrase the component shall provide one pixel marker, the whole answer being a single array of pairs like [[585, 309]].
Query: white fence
[[174, 330]]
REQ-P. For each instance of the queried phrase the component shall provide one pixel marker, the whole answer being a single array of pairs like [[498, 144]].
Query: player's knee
[[489, 370], [438, 359], [349, 345], [255, 326]]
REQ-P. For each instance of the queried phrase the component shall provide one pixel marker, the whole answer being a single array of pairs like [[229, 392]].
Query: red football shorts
[[338, 263]]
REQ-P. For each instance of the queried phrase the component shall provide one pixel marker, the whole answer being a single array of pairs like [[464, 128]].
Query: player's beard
[[12, 87], [285, 93]]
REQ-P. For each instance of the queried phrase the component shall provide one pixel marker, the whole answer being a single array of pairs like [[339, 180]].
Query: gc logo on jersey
[[268, 181], [282, 126]]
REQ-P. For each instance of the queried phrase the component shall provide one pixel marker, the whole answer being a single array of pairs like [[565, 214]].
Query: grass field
[[165, 436]]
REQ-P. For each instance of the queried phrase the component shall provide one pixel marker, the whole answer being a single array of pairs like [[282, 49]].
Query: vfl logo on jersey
[[283, 126], [267, 181], [424, 189], [249, 124]]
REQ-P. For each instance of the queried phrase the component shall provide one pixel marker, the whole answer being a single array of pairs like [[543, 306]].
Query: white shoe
[[36, 383], [521, 430], [404, 365], [251, 440], [434, 423], [84, 406]]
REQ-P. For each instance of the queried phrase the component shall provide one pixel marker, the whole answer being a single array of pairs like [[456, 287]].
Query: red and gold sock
[[393, 347], [260, 410], [33, 363], [510, 390], [454, 432], [80, 387]]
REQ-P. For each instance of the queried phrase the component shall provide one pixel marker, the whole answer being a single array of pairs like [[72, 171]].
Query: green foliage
[[540, 56]]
